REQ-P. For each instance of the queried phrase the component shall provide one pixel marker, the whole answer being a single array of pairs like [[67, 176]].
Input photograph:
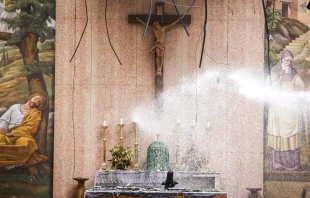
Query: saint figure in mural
[[287, 116], [18, 125]]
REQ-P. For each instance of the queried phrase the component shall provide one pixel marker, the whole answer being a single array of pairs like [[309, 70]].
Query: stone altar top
[[190, 180]]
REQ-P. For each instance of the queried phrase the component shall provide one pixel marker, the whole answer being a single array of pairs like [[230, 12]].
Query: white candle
[[104, 123], [208, 124], [121, 121]]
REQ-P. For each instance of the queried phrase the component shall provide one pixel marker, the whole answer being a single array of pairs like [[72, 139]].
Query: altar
[[194, 180], [159, 179], [111, 183]]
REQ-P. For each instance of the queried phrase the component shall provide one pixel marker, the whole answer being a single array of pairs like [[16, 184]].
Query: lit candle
[[121, 121], [104, 123]]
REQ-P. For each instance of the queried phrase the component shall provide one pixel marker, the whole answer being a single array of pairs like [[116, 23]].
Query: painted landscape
[[34, 181]]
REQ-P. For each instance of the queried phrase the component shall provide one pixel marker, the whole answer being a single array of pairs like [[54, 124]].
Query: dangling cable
[[176, 8], [82, 32], [204, 33], [106, 25], [188, 9], [148, 19], [267, 36]]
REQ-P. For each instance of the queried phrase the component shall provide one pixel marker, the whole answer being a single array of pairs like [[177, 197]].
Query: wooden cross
[[164, 20]]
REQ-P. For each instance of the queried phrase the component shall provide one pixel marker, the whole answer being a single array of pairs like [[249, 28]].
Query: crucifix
[[159, 23]]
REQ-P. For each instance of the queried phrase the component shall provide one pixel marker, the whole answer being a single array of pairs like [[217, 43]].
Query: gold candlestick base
[[136, 167], [103, 166]]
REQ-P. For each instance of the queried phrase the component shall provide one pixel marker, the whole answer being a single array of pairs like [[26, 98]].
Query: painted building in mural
[[294, 9]]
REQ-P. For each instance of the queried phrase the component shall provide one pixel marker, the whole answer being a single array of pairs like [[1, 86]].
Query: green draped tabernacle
[[158, 156]]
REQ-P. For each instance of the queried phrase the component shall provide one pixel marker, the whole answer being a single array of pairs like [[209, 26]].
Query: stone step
[[296, 45], [293, 47], [299, 41]]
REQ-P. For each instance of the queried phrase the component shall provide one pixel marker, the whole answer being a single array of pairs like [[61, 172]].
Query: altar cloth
[[154, 194]]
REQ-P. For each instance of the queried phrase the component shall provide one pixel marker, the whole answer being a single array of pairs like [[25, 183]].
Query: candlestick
[[177, 153], [104, 148], [193, 132], [136, 166], [121, 138]]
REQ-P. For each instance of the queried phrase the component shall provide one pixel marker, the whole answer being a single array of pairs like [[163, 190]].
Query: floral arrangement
[[121, 157]]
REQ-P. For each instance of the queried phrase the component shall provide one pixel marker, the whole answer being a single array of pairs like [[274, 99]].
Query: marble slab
[[190, 180]]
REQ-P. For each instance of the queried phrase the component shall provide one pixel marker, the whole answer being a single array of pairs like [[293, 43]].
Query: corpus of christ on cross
[[159, 23]]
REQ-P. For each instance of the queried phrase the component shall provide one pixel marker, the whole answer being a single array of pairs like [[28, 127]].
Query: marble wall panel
[[232, 173], [217, 10], [235, 132], [82, 59], [64, 106], [241, 10], [252, 177], [83, 9], [81, 116], [215, 51], [65, 46], [119, 10], [65, 9], [145, 95], [98, 10], [63, 184], [100, 44]]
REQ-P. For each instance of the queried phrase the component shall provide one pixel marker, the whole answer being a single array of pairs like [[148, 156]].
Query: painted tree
[[30, 25]]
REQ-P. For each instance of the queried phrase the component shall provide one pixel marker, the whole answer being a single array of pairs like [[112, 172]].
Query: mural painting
[[26, 97], [286, 148]]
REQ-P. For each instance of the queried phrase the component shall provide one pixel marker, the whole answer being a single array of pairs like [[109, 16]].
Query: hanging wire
[[72, 113], [148, 19], [106, 25], [204, 33], [176, 8], [191, 6], [82, 32]]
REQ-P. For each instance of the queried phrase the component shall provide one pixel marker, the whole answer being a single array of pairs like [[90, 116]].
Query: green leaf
[[34, 16], [37, 67]]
